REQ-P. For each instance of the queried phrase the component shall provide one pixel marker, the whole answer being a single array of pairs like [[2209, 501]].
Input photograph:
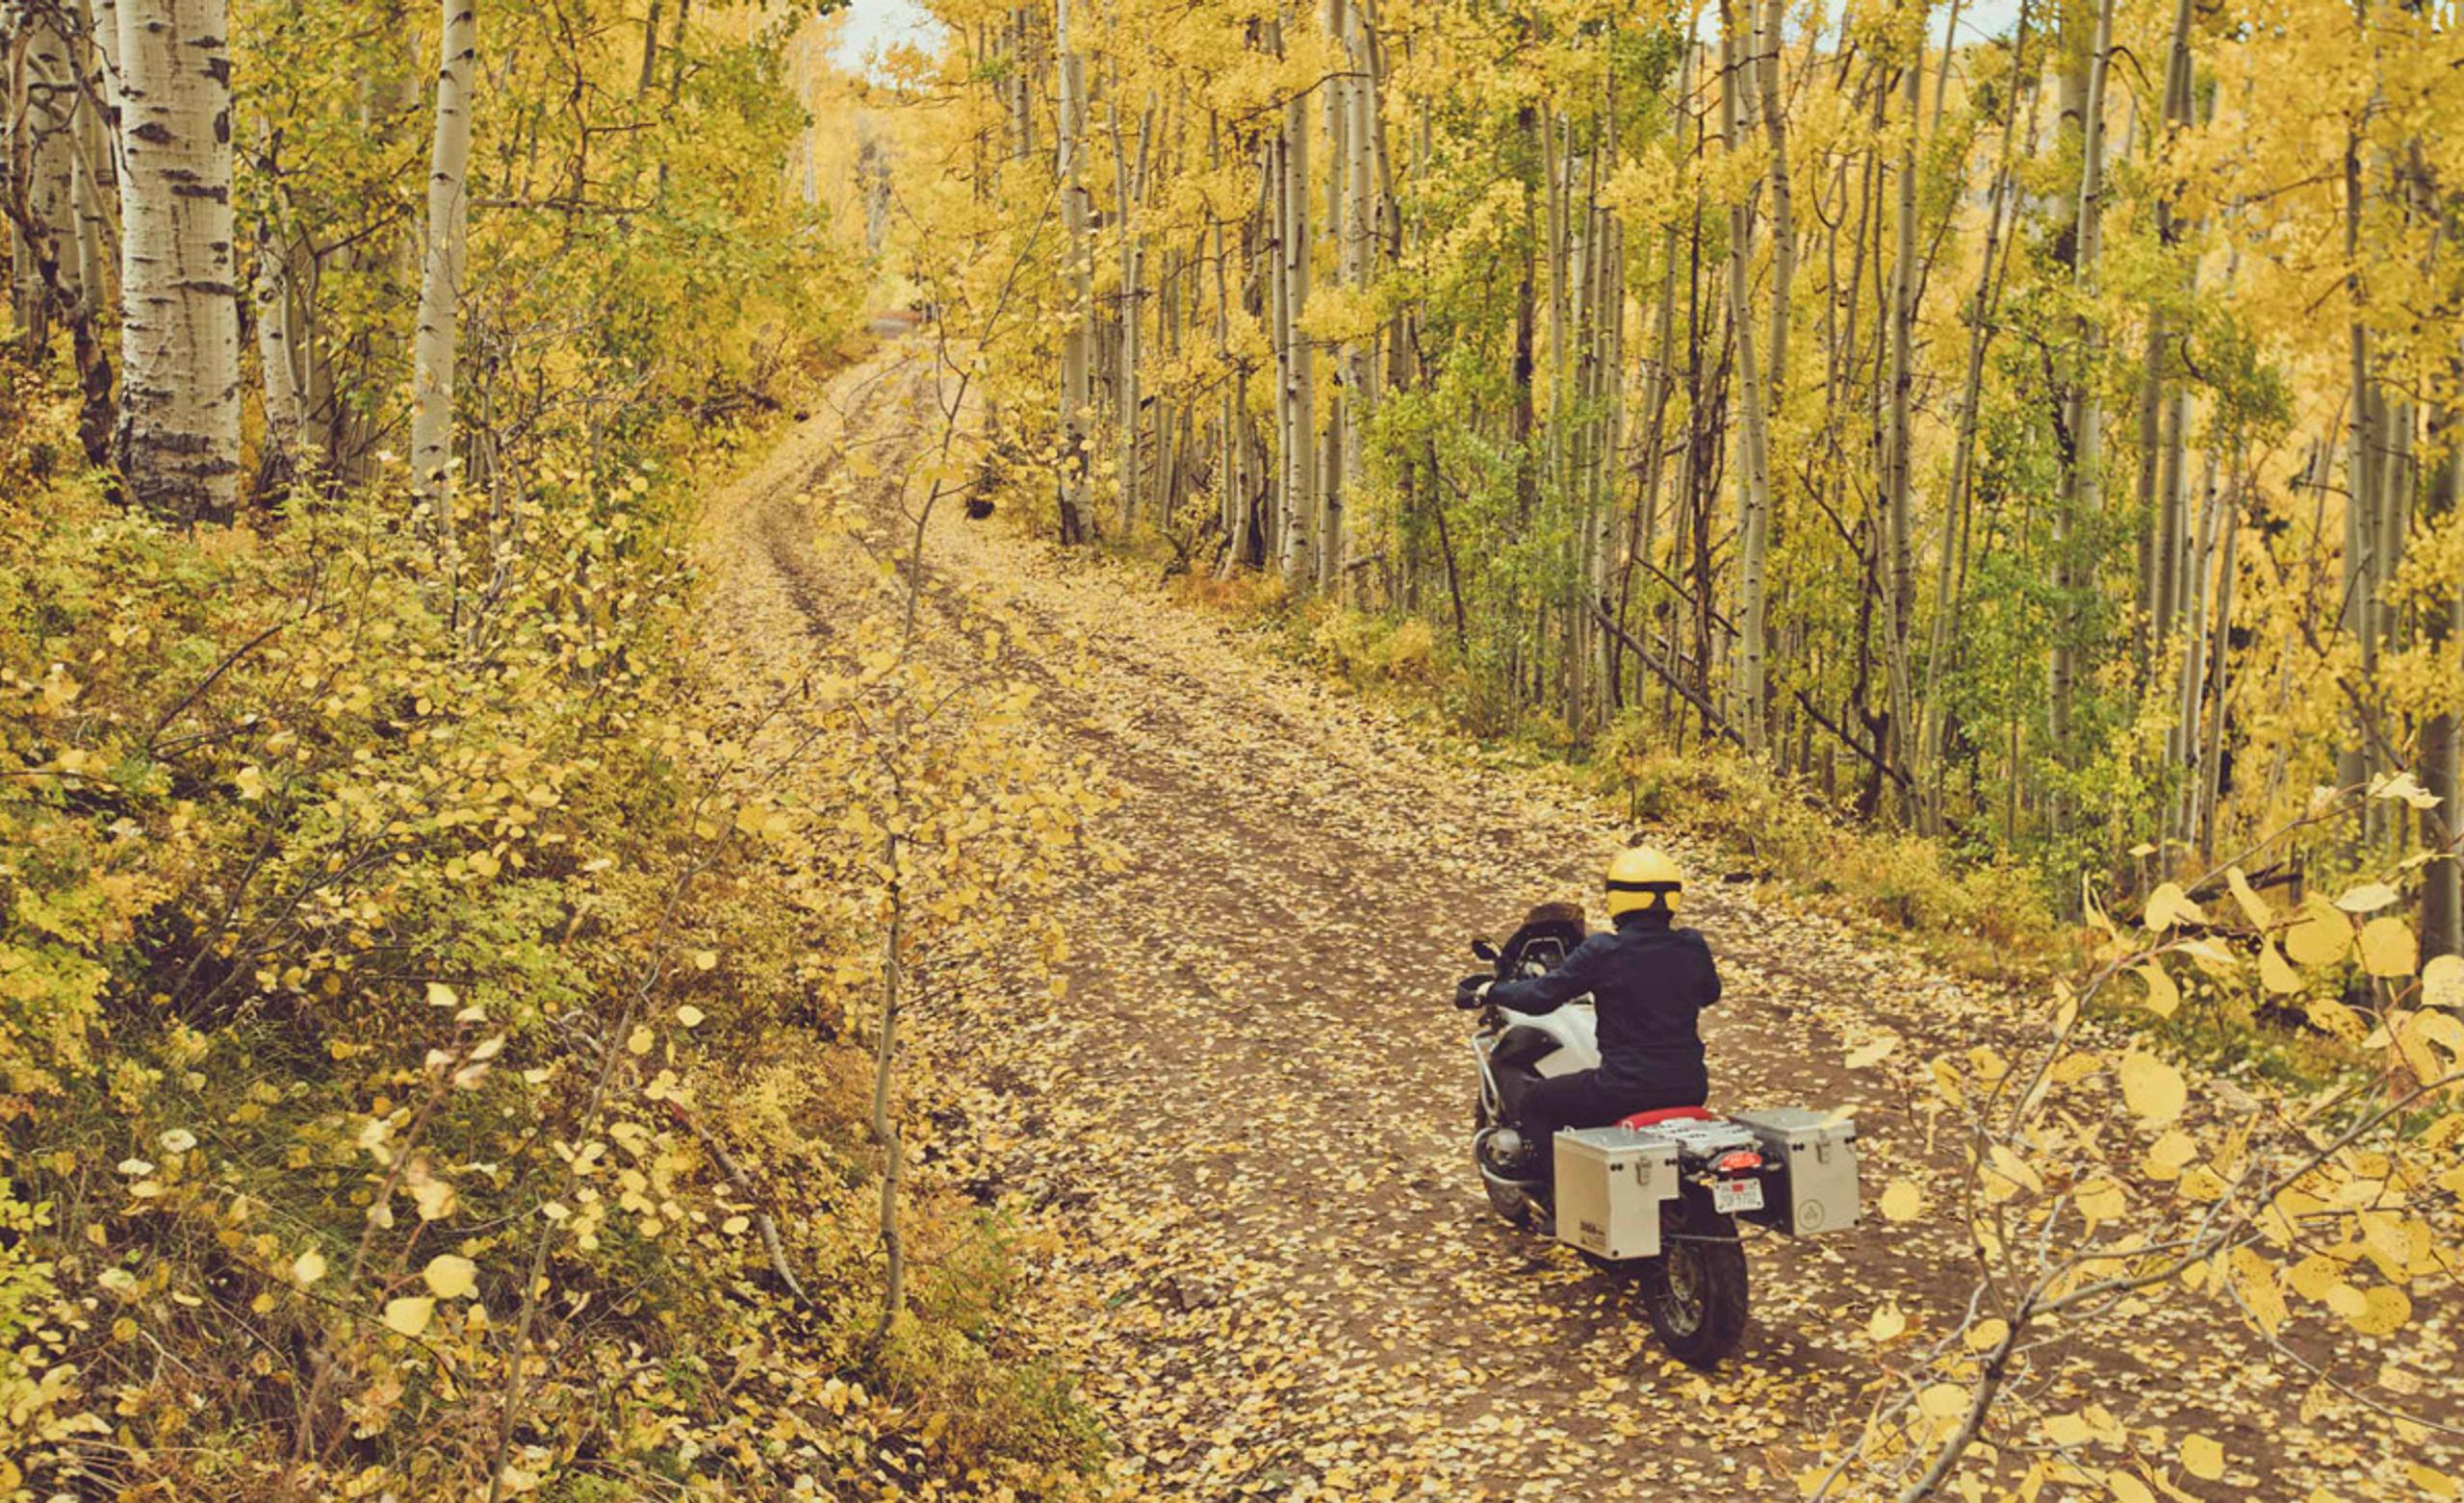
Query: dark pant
[[1583, 1100]]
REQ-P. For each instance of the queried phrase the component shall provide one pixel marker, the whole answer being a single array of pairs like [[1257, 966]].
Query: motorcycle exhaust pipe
[[1502, 1182]]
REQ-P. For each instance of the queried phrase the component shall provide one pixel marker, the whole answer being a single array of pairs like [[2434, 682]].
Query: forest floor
[[1234, 1149]]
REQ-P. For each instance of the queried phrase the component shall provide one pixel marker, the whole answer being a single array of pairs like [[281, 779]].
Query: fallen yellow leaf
[[2202, 1458], [450, 1276], [408, 1316], [2153, 1088]]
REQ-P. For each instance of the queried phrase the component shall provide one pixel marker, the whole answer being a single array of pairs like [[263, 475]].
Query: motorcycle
[[1657, 1196]]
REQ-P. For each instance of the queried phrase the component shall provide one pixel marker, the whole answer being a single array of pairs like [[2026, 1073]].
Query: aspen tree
[[1642, 532], [1571, 511], [2163, 580], [179, 441], [1358, 254], [1899, 584], [46, 121], [1753, 399], [2209, 776], [1333, 95], [1129, 178], [2187, 746], [1077, 277], [433, 347], [1783, 216], [2357, 616], [1297, 395], [1980, 333], [1233, 404], [2085, 490], [2442, 902], [93, 166], [277, 335], [58, 232], [1606, 396]]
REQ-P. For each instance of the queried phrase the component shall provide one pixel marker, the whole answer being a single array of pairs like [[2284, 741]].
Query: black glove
[[1473, 990]]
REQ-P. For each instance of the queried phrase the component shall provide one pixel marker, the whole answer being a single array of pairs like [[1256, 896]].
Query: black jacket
[[1648, 982]]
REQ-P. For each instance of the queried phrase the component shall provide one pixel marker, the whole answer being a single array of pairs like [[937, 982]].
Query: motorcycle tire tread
[[1711, 1237]]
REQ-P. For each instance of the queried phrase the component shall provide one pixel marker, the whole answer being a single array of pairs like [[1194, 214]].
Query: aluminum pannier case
[[1818, 1154], [1611, 1182]]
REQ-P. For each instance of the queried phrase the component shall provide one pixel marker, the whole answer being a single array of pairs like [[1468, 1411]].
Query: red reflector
[[1737, 1161]]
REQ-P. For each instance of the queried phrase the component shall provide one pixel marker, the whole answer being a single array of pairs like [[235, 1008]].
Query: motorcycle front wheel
[[1695, 1290]]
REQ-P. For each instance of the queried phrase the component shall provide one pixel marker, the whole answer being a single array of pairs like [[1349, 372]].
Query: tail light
[[1736, 1160]]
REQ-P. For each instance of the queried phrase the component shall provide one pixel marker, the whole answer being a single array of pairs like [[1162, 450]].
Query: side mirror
[[1484, 950]]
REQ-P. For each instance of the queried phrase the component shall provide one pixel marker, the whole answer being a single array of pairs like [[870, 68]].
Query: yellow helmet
[[1643, 877]]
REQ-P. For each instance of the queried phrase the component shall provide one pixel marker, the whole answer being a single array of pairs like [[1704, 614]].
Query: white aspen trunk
[[49, 121], [97, 170], [1284, 523], [1643, 532], [1078, 277], [2173, 519], [2144, 520], [2087, 477], [2361, 500], [1335, 445], [1610, 466], [103, 24], [1554, 169], [2389, 620], [1899, 449], [179, 441], [99, 122], [2184, 742], [92, 180], [285, 414], [2442, 902], [1569, 433], [1359, 255], [2171, 537], [1955, 501], [1300, 541], [91, 257], [277, 354], [1753, 478], [2211, 763], [2398, 421], [1783, 216], [22, 135], [1607, 355], [1128, 181], [1231, 477], [441, 272], [1022, 111]]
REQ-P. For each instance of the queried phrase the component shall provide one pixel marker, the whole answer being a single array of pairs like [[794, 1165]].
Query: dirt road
[[1240, 1136]]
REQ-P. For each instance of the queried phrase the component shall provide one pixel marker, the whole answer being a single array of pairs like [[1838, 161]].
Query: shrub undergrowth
[[368, 944], [1993, 920]]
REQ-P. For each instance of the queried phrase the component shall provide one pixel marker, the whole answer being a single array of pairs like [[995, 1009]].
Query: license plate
[[1731, 1195]]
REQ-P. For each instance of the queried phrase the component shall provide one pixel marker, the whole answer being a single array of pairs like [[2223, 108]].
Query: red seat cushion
[[1644, 1120]]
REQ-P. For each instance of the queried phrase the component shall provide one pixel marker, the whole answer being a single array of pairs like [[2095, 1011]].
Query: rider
[[1647, 979]]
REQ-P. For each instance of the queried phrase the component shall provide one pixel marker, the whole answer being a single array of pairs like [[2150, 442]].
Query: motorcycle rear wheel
[[1695, 1290], [1511, 1205]]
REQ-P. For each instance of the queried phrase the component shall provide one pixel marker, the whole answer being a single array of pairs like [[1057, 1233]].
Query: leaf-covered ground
[[1234, 1146]]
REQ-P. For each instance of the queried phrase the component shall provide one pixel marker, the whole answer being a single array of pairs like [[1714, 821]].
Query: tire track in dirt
[[1239, 1138]]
